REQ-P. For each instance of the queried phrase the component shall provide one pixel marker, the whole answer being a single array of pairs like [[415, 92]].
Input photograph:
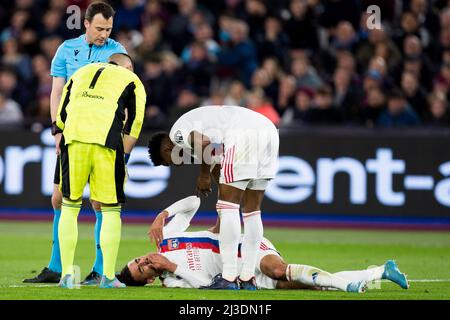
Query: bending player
[[192, 259], [249, 142]]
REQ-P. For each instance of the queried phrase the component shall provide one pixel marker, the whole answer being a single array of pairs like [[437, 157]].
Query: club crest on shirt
[[172, 244], [178, 137]]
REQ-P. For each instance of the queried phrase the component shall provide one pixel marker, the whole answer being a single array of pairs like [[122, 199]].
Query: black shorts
[[57, 177]]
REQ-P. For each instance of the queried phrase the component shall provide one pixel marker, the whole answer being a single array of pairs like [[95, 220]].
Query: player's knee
[[273, 268], [56, 199], [279, 271], [96, 205]]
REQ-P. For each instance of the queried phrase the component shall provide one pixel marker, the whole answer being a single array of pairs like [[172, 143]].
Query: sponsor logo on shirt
[[85, 94], [76, 51]]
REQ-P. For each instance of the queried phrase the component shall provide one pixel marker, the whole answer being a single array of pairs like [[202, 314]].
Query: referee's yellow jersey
[[91, 114], [93, 103]]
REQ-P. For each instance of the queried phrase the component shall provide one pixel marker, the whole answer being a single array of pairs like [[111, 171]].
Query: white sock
[[253, 235], [360, 275], [229, 236], [313, 276]]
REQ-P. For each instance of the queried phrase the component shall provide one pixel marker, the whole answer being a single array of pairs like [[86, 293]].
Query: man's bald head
[[122, 60]]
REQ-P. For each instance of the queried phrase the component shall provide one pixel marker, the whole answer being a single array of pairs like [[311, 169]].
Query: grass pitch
[[424, 256]]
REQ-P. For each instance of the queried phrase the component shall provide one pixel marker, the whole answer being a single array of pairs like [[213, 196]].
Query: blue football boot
[[392, 273]]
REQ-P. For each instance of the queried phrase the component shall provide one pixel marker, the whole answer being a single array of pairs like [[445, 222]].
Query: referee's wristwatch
[[55, 128]]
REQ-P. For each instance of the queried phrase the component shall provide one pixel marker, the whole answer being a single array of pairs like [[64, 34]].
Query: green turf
[[25, 248]]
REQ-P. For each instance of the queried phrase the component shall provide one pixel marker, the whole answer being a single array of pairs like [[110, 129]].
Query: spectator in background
[[218, 97], [374, 104], [323, 111], [10, 87], [300, 26], [335, 11], [305, 74], [378, 64], [254, 14], [272, 41], [204, 35], [438, 114], [38, 116], [399, 113], [10, 113], [425, 16], [128, 15], [240, 53], [347, 97], [272, 66], [442, 80], [155, 14], [258, 102], [18, 23], [298, 113], [19, 62], [158, 86], [198, 70], [49, 45], [414, 93], [345, 38], [237, 93], [151, 41], [187, 100], [409, 25], [264, 80], [346, 60], [225, 24], [52, 25], [367, 49], [413, 52], [286, 94], [179, 29]]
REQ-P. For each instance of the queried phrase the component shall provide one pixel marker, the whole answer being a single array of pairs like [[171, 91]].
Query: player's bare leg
[[253, 235]]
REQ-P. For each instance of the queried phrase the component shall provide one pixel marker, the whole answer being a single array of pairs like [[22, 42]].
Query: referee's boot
[[46, 276], [219, 283], [248, 285], [93, 278], [106, 283]]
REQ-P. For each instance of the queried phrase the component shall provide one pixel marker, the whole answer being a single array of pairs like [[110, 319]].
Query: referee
[[95, 145]]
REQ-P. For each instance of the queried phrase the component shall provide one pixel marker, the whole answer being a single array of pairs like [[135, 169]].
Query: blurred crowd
[[299, 62]]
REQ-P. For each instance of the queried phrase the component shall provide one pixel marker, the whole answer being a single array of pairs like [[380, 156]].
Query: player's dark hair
[[125, 277], [111, 58], [154, 147], [99, 7]]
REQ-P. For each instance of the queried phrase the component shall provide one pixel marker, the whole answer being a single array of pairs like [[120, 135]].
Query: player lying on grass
[[192, 259]]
